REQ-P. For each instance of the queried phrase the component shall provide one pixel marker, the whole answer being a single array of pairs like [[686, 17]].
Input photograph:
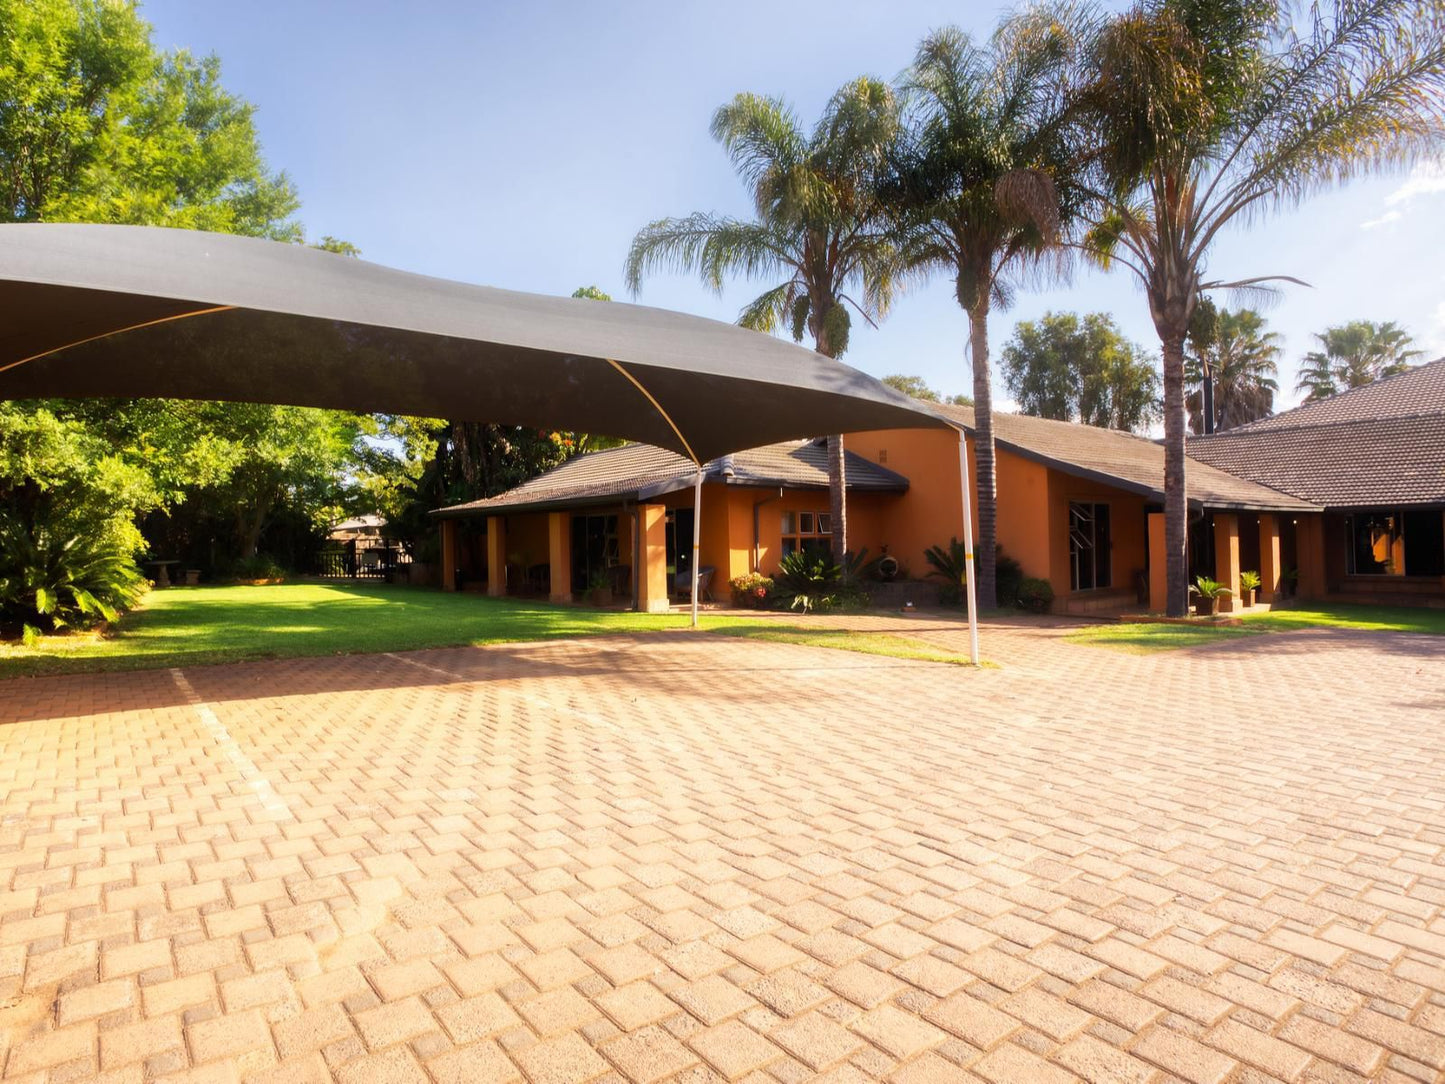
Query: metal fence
[[372, 563]]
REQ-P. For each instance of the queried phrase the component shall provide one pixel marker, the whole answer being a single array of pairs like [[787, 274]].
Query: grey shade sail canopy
[[131, 311]]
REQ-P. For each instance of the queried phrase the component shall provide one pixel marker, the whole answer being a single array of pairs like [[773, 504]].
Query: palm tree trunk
[[985, 476], [1176, 503], [837, 497]]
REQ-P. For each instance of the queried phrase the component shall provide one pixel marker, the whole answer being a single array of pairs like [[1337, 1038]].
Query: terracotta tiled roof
[[641, 471], [1122, 459], [1381, 444]]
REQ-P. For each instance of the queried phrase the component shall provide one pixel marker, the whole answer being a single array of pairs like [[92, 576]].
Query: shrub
[[752, 591], [951, 566], [807, 581], [1035, 595], [53, 578], [1008, 575], [1209, 589], [258, 566]]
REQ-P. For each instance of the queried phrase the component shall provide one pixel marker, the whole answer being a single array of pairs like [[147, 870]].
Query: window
[[809, 532], [1089, 546], [1395, 543]]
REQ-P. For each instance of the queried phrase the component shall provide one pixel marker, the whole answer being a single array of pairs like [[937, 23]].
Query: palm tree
[[984, 187], [819, 232], [1240, 360], [1354, 354], [1207, 113]]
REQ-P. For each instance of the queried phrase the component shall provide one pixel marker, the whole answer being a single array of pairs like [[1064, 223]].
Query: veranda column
[[496, 556], [559, 555], [449, 554], [1226, 558], [652, 559], [1269, 557], [1158, 574]]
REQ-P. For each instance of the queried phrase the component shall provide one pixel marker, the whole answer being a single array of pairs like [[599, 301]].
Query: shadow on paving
[[745, 672]]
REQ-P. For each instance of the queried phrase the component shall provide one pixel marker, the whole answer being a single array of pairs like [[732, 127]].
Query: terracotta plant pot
[[1246, 597], [1206, 607]]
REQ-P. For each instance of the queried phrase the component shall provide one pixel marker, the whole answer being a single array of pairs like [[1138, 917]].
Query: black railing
[[371, 563]]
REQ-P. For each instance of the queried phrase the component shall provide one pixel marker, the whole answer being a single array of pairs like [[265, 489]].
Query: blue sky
[[522, 145]]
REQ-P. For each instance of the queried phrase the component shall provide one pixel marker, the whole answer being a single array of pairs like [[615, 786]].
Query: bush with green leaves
[[1249, 581], [950, 565], [752, 591], [807, 581], [261, 566], [1035, 595], [54, 578], [1008, 576]]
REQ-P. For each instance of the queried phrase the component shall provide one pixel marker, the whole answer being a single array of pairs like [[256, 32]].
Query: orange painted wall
[[1128, 529], [929, 514]]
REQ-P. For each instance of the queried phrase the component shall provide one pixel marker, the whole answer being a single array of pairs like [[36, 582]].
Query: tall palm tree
[[818, 232], [1354, 354], [1241, 360], [984, 186], [1209, 113]]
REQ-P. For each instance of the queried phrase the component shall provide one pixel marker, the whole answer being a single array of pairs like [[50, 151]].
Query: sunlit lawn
[[1145, 637], [200, 625]]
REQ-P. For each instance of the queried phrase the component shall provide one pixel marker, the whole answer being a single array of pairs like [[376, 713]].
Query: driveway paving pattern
[[690, 858]]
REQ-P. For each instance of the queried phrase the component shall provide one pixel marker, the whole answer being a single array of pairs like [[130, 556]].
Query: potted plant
[[1208, 593], [599, 589], [1248, 586], [1289, 582]]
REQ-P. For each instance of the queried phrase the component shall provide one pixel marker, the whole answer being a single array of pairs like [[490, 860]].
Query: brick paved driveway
[[688, 858]]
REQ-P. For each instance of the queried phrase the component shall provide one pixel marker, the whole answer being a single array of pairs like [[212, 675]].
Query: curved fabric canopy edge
[[134, 311]]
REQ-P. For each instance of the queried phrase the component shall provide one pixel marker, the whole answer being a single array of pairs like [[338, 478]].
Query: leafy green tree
[[1354, 354], [96, 126], [1074, 370], [1241, 360], [1208, 113], [985, 188], [819, 230], [913, 386], [591, 293]]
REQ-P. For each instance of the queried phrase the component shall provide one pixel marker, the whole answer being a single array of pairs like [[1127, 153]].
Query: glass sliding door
[[1089, 548]]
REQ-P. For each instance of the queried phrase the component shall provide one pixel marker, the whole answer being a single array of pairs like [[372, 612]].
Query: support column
[[1269, 557], [1226, 558], [1158, 573], [449, 554], [1310, 552], [559, 555], [496, 556], [651, 573]]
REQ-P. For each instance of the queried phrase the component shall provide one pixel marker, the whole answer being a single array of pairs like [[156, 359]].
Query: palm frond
[[713, 246]]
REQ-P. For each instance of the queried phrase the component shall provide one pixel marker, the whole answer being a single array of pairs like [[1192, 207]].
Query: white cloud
[[1426, 179]]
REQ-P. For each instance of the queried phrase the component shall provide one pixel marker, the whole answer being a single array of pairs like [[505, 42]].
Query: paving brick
[[135, 1043], [899, 1033], [973, 1020], [648, 1054], [97, 1000], [1009, 1064], [228, 1036], [397, 1066], [733, 1049], [472, 1064], [1182, 1056], [466, 1020], [565, 1060], [816, 1041], [402, 1020]]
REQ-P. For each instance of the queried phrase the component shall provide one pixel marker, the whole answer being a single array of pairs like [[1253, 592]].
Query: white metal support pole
[[969, 563], [696, 537]]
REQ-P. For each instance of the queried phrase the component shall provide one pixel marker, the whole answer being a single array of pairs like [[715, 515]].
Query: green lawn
[[1145, 637], [192, 626]]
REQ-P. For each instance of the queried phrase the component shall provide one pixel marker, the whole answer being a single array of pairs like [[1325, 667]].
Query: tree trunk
[[1176, 503], [837, 497], [985, 475]]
